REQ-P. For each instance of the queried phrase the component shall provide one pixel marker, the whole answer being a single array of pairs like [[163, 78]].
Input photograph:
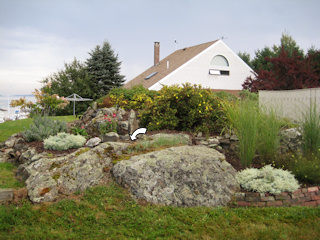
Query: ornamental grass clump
[[311, 131], [64, 141], [267, 179], [243, 116]]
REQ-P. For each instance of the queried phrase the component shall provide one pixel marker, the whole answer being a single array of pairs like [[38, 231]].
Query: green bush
[[267, 179], [187, 108], [64, 141], [305, 168], [44, 127], [133, 98]]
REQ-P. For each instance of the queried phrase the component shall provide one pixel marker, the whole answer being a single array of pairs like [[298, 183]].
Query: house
[[213, 65]]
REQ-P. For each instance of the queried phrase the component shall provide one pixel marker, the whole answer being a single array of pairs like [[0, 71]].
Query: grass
[[145, 146], [7, 179], [157, 143], [311, 131], [11, 127], [108, 212], [244, 117]]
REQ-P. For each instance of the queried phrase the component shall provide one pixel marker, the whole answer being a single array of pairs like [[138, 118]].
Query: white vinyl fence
[[290, 104]]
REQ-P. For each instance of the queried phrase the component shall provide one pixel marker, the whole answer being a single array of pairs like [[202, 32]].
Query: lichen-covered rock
[[110, 137], [290, 140], [92, 142], [47, 176], [179, 176]]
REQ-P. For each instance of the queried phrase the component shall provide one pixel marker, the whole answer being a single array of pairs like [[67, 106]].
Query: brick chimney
[[156, 53]]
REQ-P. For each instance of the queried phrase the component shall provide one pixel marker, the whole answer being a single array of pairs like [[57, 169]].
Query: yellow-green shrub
[[185, 108], [133, 98]]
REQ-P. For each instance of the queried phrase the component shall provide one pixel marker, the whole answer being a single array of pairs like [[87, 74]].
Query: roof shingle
[[176, 59]]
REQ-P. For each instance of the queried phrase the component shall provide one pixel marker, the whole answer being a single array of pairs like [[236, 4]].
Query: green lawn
[[7, 179], [108, 212], [9, 128]]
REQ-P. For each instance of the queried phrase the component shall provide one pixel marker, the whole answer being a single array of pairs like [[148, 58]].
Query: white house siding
[[196, 71]]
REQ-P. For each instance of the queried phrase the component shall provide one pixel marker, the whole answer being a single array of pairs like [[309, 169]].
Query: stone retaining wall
[[302, 197]]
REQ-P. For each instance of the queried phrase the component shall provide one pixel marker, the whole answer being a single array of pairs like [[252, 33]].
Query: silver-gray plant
[[267, 179], [64, 141]]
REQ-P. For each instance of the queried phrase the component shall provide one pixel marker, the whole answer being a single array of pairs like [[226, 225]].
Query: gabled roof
[[176, 59]]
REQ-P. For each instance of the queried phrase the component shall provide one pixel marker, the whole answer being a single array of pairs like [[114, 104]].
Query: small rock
[[110, 137], [93, 142], [6, 194], [213, 141], [234, 138]]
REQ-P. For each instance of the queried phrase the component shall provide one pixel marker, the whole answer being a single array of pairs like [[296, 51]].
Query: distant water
[[11, 110]]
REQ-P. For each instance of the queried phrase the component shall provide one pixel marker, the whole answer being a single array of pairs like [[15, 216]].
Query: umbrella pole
[[74, 108]]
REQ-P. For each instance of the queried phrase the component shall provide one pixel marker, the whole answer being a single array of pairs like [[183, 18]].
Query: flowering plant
[[109, 125], [45, 101], [79, 131]]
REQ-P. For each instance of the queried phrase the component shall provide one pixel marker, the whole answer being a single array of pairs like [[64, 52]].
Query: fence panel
[[290, 104]]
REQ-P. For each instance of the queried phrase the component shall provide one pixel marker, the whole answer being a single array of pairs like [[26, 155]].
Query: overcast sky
[[38, 37]]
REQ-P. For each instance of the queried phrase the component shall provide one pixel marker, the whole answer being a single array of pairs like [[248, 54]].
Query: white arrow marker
[[136, 132]]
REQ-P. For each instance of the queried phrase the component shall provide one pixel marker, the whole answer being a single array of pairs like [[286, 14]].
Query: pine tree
[[104, 70]]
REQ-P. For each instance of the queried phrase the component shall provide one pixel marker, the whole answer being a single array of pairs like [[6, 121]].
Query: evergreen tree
[[104, 69], [245, 57], [72, 79], [286, 42]]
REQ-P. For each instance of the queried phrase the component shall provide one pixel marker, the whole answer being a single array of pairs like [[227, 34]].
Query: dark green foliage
[[104, 70], [44, 127], [245, 57], [72, 79], [187, 108]]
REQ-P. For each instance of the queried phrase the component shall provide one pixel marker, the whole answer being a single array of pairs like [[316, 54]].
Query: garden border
[[302, 197]]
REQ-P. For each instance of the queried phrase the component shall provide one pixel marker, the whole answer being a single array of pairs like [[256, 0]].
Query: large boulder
[[48, 176], [179, 176]]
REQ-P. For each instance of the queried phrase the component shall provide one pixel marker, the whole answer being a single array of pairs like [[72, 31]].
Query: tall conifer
[[104, 69]]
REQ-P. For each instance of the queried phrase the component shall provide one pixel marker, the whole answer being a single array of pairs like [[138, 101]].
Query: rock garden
[[192, 154]]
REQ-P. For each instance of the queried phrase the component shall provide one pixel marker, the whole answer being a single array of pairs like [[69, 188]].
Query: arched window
[[219, 60]]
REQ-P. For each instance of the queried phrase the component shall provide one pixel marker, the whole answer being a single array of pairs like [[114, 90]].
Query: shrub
[[64, 141], [267, 179], [184, 108], [305, 168], [43, 127], [133, 98]]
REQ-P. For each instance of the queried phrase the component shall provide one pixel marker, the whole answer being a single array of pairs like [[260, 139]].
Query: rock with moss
[[48, 176], [179, 176]]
